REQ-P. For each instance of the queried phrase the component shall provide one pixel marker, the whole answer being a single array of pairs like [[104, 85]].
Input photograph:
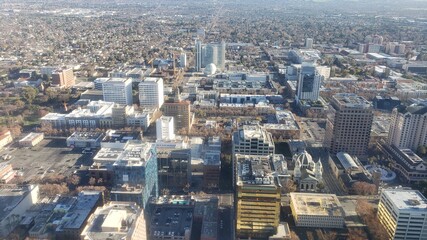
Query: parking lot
[[49, 156]]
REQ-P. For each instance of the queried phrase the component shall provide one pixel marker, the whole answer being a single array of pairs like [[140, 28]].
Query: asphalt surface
[[48, 157]]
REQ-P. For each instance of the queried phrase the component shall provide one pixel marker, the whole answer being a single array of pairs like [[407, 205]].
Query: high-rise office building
[[257, 197], [151, 92], [251, 140], [135, 173], [309, 43], [63, 78], [403, 213], [180, 111], [183, 60], [118, 90], [408, 128], [308, 83], [348, 124], [199, 56], [165, 129]]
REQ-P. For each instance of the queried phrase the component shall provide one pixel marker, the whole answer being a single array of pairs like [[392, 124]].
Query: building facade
[[348, 124], [165, 129], [180, 111], [408, 128], [63, 78], [317, 210], [151, 93], [257, 198], [118, 90], [308, 83], [403, 213]]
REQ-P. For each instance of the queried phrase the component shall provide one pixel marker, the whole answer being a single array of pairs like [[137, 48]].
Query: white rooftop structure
[[409, 200]]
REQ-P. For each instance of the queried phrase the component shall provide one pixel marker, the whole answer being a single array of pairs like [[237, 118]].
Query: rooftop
[[10, 198], [351, 100], [254, 170], [316, 204], [172, 216], [82, 136], [409, 200], [78, 214], [114, 221]]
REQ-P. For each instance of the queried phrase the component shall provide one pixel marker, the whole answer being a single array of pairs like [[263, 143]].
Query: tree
[[29, 94], [363, 188], [165, 191], [289, 186], [92, 181], [186, 188]]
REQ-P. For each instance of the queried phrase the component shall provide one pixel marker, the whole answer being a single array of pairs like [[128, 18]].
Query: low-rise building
[[85, 140], [116, 221], [6, 172], [73, 222], [317, 210], [408, 165], [31, 140], [5, 138]]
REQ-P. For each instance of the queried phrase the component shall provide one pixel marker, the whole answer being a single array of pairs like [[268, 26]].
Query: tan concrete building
[[63, 78], [31, 140], [257, 200], [348, 124], [5, 138], [180, 111], [317, 210]]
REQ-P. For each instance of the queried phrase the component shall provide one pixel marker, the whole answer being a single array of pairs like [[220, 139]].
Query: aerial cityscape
[[213, 120]]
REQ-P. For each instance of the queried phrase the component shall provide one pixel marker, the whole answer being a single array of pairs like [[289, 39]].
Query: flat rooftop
[[172, 216], [351, 100], [113, 136], [254, 170], [407, 200], [10, 198], [85, 136], [107, 221], [313, 204]]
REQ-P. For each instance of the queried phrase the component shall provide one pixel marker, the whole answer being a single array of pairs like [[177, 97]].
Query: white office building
[[151, 93], [308, 82], [165, 129], [118, 90], [403, 213]]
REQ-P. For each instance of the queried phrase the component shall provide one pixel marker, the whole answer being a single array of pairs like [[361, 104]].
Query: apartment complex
[[257, 197], [317, 210], [151, 93], [118, 90], [403, 213], [348, 124], [408, 128]]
